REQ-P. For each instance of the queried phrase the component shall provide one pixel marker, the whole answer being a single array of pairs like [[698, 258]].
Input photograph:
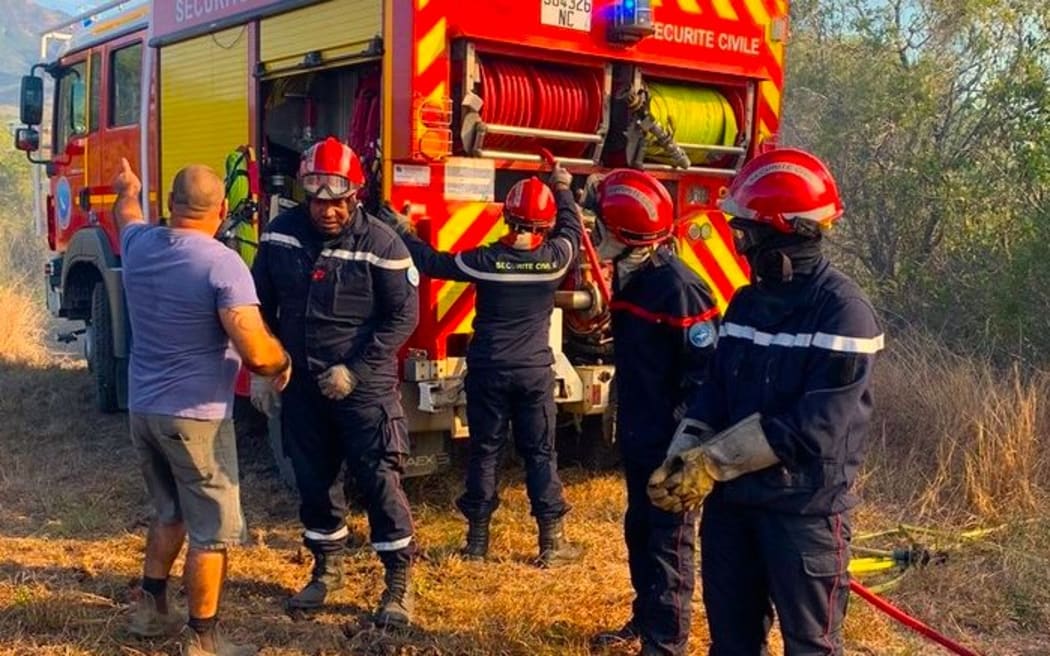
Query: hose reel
[[679, 126], [510, 108]]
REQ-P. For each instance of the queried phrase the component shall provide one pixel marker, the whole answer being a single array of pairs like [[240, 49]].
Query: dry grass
[[73, 516], [961, 444], [973, 440], [22, 323], [74, 513]]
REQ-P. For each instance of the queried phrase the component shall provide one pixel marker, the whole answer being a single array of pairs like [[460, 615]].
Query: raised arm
[[127, 209]]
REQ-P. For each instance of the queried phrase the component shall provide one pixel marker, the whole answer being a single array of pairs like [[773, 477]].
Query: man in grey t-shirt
[[188, 298]]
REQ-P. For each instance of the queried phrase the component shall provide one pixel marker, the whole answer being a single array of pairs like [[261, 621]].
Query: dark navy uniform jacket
[[349, 300], [665, 324], [515, 290], [802, 357]]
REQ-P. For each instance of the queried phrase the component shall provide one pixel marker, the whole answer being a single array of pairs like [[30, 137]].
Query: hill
[[20, 42]]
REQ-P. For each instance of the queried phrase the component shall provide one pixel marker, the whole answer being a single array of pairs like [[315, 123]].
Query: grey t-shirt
[[182, 363]]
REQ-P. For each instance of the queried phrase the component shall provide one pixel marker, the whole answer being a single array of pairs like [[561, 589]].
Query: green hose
[[693, 115]]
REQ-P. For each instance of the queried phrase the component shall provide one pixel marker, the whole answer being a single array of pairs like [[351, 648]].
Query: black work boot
[[649, 650], [555, 549], [397, 603], [327, 575], [477, 546], [614, 638]]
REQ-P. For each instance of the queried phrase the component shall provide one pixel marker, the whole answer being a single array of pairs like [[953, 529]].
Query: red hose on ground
[[907, 620]]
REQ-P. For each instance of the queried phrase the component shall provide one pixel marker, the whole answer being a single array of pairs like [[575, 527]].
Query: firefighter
[[339, 289], [510, 378], [778, 430], [664, 323]]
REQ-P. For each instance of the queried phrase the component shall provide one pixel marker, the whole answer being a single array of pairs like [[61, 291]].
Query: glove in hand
[[396, 220], [681, 483], [337, 382], [560, 176], [263, 394], [589, 195]]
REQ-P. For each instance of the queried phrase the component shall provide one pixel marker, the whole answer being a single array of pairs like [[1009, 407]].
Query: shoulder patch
[[413, 276], [702, 335]]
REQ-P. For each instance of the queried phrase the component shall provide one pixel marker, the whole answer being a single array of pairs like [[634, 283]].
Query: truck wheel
[[103, 362], [587, 446]]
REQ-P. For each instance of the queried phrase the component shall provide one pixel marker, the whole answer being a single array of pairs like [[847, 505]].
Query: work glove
[[681, 483], [560, 176], [589, 195], [263, 394], [337, 382], [396, 220]]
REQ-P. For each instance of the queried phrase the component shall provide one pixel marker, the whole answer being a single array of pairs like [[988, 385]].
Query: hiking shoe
[[191, 645], [328, 575], [147, 622], [555, 549]]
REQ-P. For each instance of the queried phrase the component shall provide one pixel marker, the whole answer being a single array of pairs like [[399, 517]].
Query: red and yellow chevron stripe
[[468, 225], [706, 246]]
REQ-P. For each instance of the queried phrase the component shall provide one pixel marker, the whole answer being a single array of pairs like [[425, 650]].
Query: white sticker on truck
[[411, 176], [470, 179], [571, 14]]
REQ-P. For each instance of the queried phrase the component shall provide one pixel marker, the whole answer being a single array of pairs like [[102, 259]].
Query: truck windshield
[[71, 105]]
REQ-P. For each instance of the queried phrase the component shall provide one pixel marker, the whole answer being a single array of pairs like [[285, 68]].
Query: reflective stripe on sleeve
[[829, 342]]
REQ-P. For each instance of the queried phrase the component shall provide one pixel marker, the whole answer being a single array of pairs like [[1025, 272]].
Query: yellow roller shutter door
[[336, 29], [204, 101]]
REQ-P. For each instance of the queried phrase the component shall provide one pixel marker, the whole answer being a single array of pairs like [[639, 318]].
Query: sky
[[68, 6]]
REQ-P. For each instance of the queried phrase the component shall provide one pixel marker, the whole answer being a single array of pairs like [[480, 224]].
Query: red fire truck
[[449, 102]]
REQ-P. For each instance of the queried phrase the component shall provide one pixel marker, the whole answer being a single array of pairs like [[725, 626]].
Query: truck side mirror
[[32, 100], [27, 140]]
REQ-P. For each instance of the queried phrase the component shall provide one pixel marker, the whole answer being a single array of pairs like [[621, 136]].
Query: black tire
[[103, 360], [587, 446]]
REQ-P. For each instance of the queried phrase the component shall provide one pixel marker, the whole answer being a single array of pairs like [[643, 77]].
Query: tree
[[935, 117]]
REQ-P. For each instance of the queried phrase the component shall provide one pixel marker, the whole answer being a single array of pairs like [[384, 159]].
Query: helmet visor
[[326, 186]]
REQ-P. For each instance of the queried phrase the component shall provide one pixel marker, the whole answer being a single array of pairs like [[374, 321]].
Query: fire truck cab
[[447, 102]]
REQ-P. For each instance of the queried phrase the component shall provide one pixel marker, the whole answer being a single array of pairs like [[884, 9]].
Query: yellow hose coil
[[692, 115]]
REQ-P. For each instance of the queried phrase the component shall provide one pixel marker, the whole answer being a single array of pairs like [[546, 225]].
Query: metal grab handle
[[706, 170], [733, 150], [555, 135], [529, 157]]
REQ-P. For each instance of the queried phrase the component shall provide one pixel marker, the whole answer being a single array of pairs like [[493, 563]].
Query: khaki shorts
[[190, 467]]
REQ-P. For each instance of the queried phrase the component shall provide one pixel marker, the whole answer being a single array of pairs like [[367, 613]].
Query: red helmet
[[530, 204], [779, 187], [331, 170], [635, 207]]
